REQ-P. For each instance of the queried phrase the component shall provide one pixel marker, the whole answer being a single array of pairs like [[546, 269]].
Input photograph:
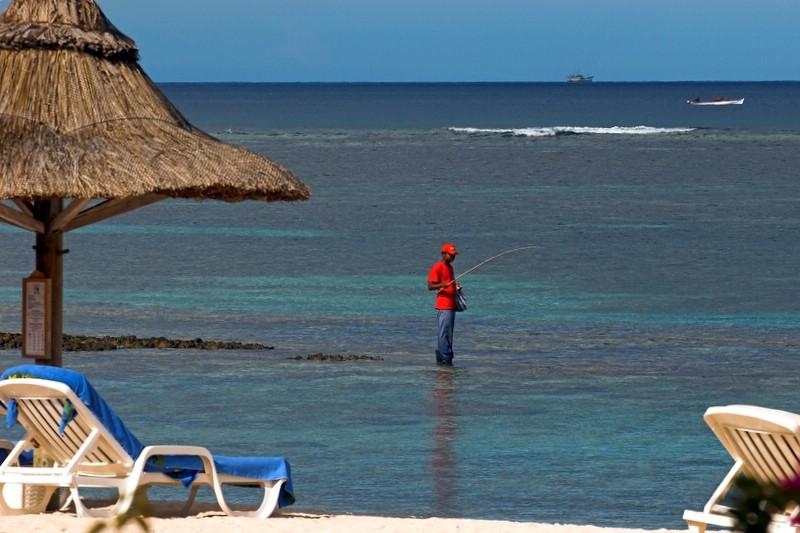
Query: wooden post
[[49, 261]]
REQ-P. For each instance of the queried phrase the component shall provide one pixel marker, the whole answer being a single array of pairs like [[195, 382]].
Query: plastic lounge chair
[[91, 448], [765, 445]]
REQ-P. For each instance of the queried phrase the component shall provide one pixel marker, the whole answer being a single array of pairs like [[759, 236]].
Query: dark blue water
[[664, 281], [294, 107]]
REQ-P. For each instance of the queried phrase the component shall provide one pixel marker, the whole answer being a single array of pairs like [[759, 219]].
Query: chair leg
[[270, 501], [696, 527], [16, 506], [272, 491], [67, 503], [37, 507], [83, 511], [189, 500], [123, 503]]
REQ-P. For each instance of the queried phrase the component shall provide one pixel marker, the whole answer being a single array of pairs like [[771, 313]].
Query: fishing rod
[[526, 247]]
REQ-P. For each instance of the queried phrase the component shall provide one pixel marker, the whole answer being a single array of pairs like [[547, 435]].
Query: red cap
[[450, 248]]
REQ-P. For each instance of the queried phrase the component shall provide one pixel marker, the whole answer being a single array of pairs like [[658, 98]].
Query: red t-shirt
[[446, 297]]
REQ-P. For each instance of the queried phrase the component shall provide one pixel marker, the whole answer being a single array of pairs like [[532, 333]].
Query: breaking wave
[[570, 130]]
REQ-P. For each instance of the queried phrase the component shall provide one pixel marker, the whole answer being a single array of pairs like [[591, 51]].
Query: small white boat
[[578, 78], [718, 100]]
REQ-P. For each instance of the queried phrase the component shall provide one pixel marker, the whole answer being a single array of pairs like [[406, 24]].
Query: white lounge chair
[[765, 445], [87, 455]]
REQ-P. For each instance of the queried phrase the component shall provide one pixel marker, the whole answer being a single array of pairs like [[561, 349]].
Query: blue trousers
[[445, 321]]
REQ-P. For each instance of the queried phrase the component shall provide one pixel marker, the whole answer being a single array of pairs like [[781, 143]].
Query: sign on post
[[36, 316]]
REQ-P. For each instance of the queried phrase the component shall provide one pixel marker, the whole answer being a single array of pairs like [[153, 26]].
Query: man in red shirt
[[441, 279]]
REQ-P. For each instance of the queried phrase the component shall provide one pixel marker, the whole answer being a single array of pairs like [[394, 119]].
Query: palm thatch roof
[[80, 119]]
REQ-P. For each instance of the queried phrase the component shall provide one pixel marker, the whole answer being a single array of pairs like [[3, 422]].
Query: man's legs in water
[[445, 321]]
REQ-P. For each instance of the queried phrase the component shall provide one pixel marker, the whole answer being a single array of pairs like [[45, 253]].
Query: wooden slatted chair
[[87, 455], [765, 445]]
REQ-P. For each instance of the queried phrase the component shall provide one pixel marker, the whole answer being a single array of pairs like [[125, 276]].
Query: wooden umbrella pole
[[49, 261]]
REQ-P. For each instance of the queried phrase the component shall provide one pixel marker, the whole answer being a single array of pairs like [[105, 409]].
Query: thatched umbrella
[[81, 121]]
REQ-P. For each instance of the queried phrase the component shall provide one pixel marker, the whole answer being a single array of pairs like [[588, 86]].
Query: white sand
[[293, 521]]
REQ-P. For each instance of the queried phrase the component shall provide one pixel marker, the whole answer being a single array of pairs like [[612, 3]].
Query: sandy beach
[[295, 521]]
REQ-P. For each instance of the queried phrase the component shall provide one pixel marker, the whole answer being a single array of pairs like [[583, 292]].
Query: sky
[[461, 40]]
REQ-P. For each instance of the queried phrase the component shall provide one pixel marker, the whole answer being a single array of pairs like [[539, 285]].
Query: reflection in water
[[443, 460]]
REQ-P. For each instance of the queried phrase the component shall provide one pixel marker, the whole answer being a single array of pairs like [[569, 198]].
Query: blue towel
[[184, 468], [83, 390]]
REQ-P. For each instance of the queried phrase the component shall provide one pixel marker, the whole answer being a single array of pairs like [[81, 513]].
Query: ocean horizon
[[467, 82], [664, 281]]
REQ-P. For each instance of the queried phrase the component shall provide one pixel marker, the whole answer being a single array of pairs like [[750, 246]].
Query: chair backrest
[[767, 441], [40, 404]]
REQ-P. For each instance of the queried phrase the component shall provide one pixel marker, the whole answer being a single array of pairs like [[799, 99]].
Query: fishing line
[[526, 247]]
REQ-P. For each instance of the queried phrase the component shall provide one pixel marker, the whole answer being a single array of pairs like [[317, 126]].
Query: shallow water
[[664, 282]]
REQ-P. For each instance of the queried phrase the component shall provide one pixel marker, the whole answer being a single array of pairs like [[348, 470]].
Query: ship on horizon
[[579, 78], [717, 100]]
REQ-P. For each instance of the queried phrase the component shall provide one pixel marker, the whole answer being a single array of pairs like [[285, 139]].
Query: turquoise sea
[[665, 281]]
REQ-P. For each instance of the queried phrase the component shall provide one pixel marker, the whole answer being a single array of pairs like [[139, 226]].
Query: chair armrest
[[198, 451], [195, 451], [150, 451]]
